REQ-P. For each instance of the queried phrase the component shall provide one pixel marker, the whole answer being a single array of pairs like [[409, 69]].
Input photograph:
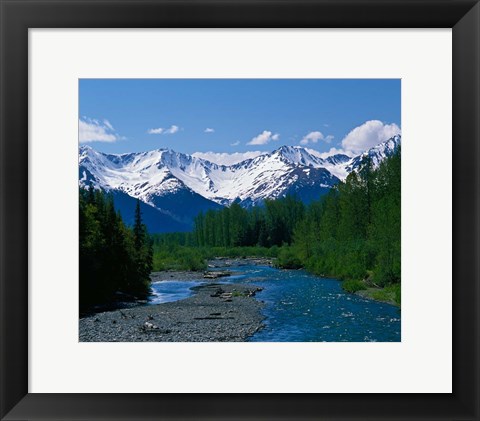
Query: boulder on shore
[[216, 274]]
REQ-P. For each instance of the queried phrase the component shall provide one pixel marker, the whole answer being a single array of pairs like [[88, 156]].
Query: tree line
[[354, 232], [114, 259], [270, 225]]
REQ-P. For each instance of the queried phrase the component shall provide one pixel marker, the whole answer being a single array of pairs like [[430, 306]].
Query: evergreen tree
[[112, 257], [138, 228]]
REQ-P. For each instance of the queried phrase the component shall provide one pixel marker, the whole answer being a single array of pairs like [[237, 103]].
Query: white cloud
[[209, 130], [160, 130], [235, 143], [91, 130], [107, 123], [263, 138], [314, 137], [329, 138], [173, 129], [227, 158], [369, 134], [332, 151]]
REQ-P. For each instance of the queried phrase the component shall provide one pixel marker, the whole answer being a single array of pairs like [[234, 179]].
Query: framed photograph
[[236, 210], [241, 237]]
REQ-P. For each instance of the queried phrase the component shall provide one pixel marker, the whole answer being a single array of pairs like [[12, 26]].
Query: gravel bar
[[215, 313]]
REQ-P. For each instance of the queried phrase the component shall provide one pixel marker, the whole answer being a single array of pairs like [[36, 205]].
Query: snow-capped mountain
[[168, 203], [180, 185], [377, 154]]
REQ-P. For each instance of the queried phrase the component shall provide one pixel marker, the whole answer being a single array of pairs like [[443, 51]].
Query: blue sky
[[237, 115]]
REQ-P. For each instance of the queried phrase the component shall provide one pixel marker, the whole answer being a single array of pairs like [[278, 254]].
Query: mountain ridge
[[162, 177]]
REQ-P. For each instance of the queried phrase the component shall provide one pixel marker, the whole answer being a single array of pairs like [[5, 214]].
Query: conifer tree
[[113, 257], [138, 227]]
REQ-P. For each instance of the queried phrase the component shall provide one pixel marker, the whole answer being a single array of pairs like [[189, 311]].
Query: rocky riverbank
[[224, 262], [213, 268], [216, 313]]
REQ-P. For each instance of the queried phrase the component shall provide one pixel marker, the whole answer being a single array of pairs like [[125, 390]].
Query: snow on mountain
[[267, 176], [161, 177], [377, 154], [151, 174], [338, 159], [142, 174], [224, 158]]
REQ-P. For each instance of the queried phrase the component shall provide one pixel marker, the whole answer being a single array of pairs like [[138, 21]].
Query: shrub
[[390, 293], [287, 259], [398, 294], [178, 258], [353, 286]]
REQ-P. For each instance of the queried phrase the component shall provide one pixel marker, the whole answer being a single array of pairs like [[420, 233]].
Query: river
[[300, 307]]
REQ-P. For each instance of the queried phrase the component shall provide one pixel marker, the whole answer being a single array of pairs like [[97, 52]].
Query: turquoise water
[[303, 308]]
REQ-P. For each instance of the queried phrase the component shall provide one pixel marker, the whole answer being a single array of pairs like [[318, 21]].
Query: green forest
[[353, 233], [114, 258]]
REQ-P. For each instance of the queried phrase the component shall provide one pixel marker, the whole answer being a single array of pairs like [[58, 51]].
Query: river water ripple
[[304, 308]]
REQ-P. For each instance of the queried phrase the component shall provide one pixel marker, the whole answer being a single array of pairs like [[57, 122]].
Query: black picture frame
[[17, 16]]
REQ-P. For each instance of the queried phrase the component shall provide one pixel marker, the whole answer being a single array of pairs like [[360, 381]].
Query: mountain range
[[174, 187]]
